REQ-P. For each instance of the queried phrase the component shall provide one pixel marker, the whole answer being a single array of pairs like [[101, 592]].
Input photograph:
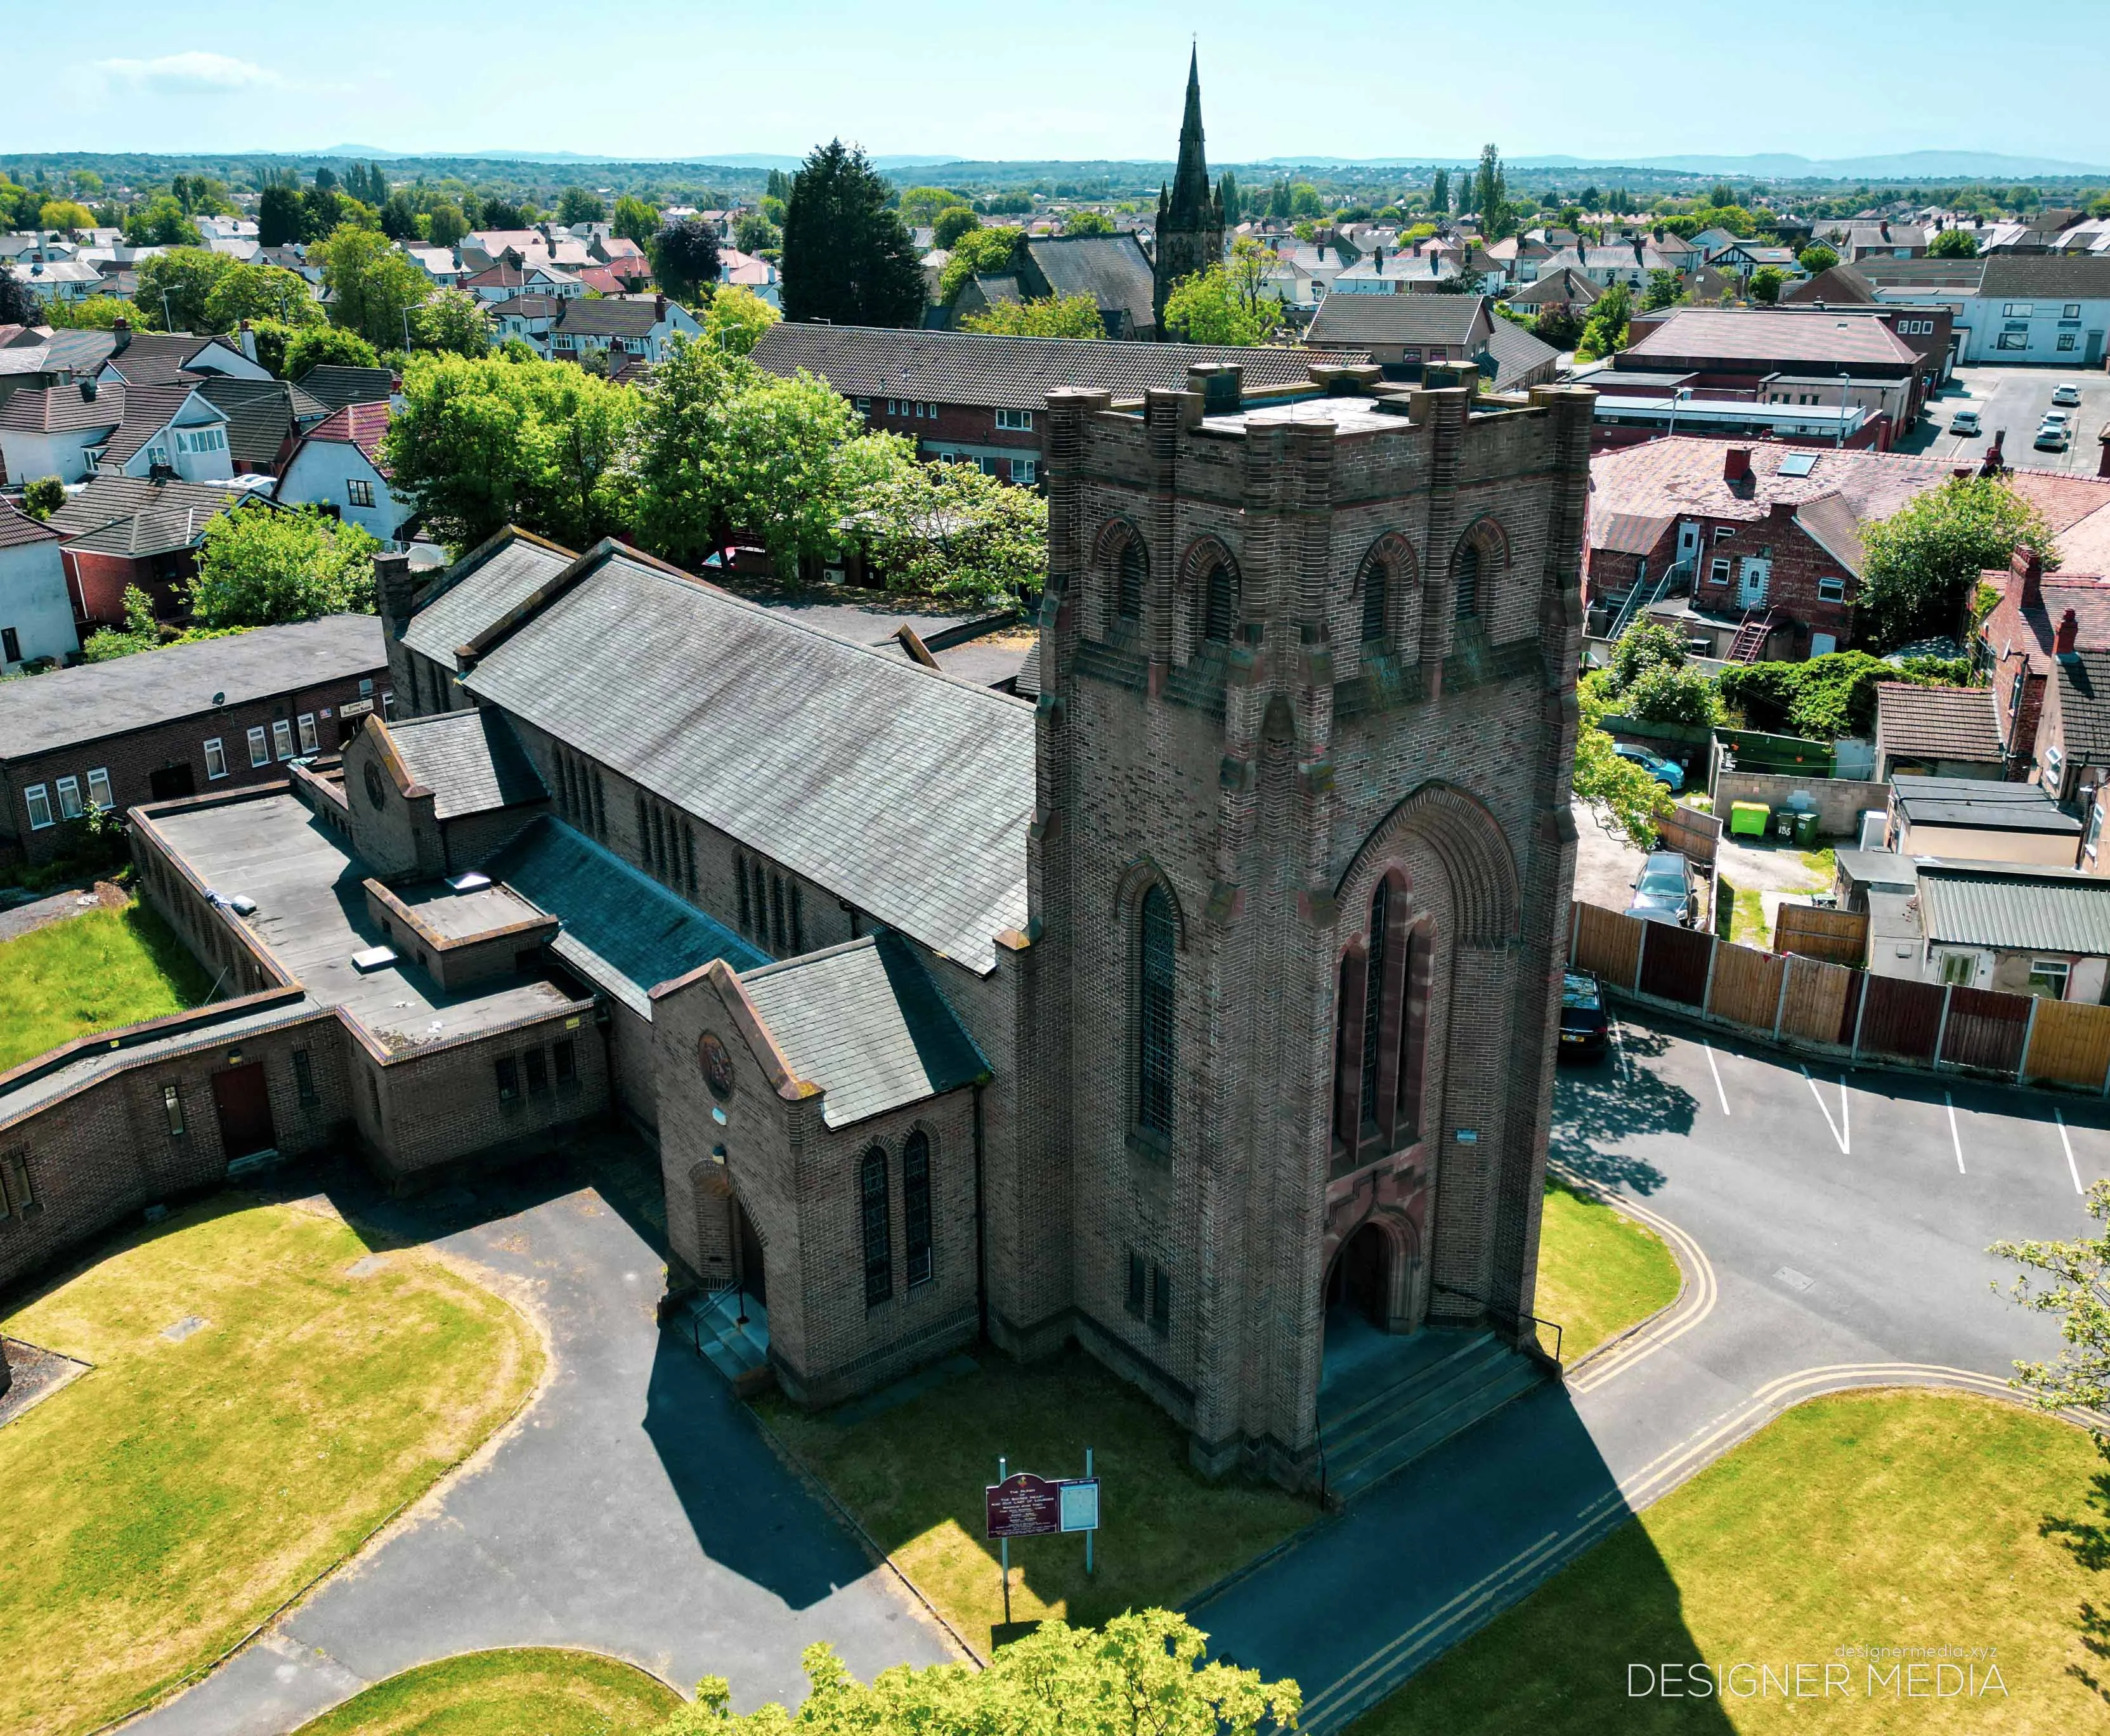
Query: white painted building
[[36, 615], [338, 464]]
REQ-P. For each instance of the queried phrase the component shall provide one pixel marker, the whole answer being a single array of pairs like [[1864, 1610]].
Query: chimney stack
[[2069, 633], [1736, 465], [394, 587], [2027, 565], [1994, 462], [658, 309], [2103, 464]]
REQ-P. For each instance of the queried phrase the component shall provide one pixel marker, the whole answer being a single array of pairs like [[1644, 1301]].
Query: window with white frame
[[69, 798], [98, 787], [1832, 590], [1016, 419], [2071, 311], [259, 748], [216, 757], [2018, 309], [2012, 340], [1026, 471], [281, 738], [2048, 978], [2069, 340], [1718, 570], [39, 801], [308, 740], [358, 492]]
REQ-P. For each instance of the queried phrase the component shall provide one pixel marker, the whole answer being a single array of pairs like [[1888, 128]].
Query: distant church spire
[[1190, 212]]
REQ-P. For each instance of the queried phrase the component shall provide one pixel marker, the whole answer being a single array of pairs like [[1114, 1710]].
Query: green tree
[[1668, 694], [685, 257], [453, 320], [677, 513], [2072, 1280], [43, 497], [920, 207], [1605, 332], [847, 258], [947, 530], [320, 346], [1206, 308], [175, 288], [258, 568], [280, 217], [483, 444], [1227, 191], [1663, 291], [634, 220], [1644, 645], [257, 292], [21, 306], [735, 317], [375, 287], [989, 252], [952, 223], [1626, 800], [160, 223], [398, 217], [1088, 223], [69, 215], [1439, 191], [576, 205], [753, 233], [1766, 284], [446, 223], [778, 185], [1144, 1674], [90, 313], [1047, 316], [1953, 244], [1817, 257], [1923, 561], [140, 633]]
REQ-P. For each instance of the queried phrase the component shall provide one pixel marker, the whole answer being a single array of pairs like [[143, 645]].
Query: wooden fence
[[1836, 936], [1692, 834], [1793, 998]]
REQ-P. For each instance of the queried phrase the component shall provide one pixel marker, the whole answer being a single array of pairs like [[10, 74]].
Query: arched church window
[[1131, 575], [1220, 603], [1466, 598], [1376, 588], [878, 1254], [1413, 1037], [1158, 942], [916, 1207], [1374, 1009]]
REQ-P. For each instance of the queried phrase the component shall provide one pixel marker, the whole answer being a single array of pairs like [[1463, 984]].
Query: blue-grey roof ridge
[[478, 590]]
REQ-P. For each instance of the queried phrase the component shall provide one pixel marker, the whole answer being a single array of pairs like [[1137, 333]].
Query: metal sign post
[[1005, 1546], [1027, 1506]]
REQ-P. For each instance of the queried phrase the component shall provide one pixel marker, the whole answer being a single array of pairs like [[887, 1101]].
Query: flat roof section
[[311, 914]]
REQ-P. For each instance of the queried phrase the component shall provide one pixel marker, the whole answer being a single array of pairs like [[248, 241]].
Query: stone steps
[[1391, 1428], [739, 1351]]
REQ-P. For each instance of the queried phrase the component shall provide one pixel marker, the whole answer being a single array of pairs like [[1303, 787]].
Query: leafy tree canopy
[[2070, 1279], [316, 346], [947, 530], [1923, 561], [1625, 799], [175, 286], [43, 497], [735, 317], [453, 320], [1824, 698], [920, 207], [685, 257], [1207, 308], [576, 205], [1088, 223], [255, 292], [634, 220], [1817, 257], [1604, 331], [953, 222], [258, 568], [18, 302], [160, 223], [1767, 283], [979, 252], [375, 286], [847, 257], [69, 215], [1047, 316], [1953, 244]]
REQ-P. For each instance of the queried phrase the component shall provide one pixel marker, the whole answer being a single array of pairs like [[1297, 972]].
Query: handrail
[[1516, 1319], [1637, 602]]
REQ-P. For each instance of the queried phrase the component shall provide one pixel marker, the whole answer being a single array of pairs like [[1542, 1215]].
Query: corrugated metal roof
[[2058, 912], [864, 1021]]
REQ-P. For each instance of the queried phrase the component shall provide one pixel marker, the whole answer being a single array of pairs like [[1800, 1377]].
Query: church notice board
[[1026, 1506]]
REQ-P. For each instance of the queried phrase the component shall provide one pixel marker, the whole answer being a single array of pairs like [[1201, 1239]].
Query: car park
[[1965, 422], [1585, 1025], [1668, 772], [1664, 891], [2053, 435], [2066, 392]]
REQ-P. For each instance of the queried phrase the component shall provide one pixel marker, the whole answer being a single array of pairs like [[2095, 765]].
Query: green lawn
[[914, 1476], [163, 1504], [1871, 1519], [529, 1692], [91, 973], [1598, 1272]]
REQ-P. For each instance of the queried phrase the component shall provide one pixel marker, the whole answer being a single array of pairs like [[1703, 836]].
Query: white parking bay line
[[1839, 1130], [1955, 1138], [1717, 1072], [2071, 1168]]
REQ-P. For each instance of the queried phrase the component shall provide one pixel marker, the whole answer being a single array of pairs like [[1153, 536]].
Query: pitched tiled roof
[[1517, 353], [1937, 722], [470, 761], [63, 410], [2083, 705], [478, 590], [2079, 276], [1839, 286], [621, 930], [529, 307], [97, 700], [260, 416], [361, 425], [18, 529], [148, 410], [138, 515], [1111, 269], [1410, 318], [606, 317], [1563, 285], [982, 369], [1753, 335], [894, 787], [156, 358], [336, 386], [864, 1021]]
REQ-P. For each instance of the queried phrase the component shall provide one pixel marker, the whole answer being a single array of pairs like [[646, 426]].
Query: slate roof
[[605, 317], [148, 410], [864, 1021], [1111, 269], [1516, 353], [984, 368], [1430, 319], [2047, 910], [334, 386], [18, 529], [2084, 706], [471, 761], [621, 930], [473, 593], [62, 410], [1980, 805], [1937, 722], [1755, 335], [260, 416], [2081, 276], [903, 791], [1562, 285], [157, 358], [138, 516], [95, 701]]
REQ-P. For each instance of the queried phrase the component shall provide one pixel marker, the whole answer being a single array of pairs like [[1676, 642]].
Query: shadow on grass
[[2087, 1539], [166, 950], [1597, 1106]]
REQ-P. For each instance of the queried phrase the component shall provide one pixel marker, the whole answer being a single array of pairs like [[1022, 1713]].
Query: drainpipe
[[981, 1254]]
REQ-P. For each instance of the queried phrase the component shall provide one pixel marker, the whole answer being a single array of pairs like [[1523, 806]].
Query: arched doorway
[[1360, 1281], [751, 1281]]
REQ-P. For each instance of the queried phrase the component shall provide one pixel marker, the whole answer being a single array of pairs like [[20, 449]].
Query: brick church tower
[[1302, 857], [1190, 213]]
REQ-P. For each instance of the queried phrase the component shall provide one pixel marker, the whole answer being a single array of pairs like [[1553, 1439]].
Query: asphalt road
[[2016, 399], [1831, 1236], [633, 1510]]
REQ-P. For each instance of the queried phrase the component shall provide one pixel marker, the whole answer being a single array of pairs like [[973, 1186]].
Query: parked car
[[2066, 392], [1668, 772], [1965, 422], [2052, 437], [1585, 1025], [1664, 891]]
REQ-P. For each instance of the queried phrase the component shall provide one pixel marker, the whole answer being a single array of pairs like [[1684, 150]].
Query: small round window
[[377, 792], [716, 1062]]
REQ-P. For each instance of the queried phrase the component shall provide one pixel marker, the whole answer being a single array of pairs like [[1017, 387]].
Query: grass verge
[[914, 1476], [1599, 1272], [1897, 1519], [91, 973], [200, 1474], [535, 1690]]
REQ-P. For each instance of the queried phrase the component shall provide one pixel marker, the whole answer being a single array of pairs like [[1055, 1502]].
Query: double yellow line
[[1695, 1302]]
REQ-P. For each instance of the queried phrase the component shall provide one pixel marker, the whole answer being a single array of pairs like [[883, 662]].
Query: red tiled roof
[[17, 528], [361, 425]]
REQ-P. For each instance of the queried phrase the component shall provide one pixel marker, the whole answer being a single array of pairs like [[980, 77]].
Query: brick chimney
[[2102, 463], [1736, 465], [658, 309], [2027, 565], [1994, 462], [2069, 633], [248, 337], [121, 326], [394, 587]]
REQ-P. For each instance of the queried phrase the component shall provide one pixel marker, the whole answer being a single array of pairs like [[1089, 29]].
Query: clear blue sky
[[1078, 78]]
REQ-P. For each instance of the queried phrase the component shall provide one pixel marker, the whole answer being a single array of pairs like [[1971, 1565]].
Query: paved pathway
[[1833, 1237], [18, 918], [634, 1510]]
